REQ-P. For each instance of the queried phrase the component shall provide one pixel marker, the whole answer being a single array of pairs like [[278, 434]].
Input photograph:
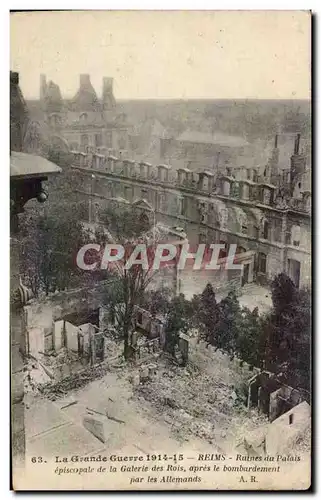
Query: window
[[98, 140], [202, 212], [262, 263], [83, 118], [182, 206], [144, 194], [161, 202], [244, 229], [235, 190], [122, 141], [128, 193], [255, 176], [110, 190], [253, 193], [226, 188], [295, 235], [266, 230], [109, 140], [267, 196], [294, 271], [84, 140]]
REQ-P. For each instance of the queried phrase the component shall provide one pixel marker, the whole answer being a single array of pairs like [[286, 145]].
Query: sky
[[166, 54]]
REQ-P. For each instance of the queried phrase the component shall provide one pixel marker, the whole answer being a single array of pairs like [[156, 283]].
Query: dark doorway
[[245, 277]]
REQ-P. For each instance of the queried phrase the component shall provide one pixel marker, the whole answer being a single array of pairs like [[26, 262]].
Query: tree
[[50, 243], [228, 324], [206, 314], [129, 229], [178, 321], [157, 301], [248, 342], [288, 333]]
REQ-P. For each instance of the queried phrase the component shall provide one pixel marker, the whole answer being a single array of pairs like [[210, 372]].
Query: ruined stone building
[[83, 121], [265, 213]]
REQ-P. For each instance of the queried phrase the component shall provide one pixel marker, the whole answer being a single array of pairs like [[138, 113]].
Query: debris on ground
[[202, 399], [54, 390]]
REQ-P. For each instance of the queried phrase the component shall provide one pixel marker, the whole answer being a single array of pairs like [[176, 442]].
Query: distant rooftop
[[151, 127], [208, 138]]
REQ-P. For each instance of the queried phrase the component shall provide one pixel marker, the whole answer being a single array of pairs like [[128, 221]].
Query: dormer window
[[83, 118], [182, 206], [54, 120]]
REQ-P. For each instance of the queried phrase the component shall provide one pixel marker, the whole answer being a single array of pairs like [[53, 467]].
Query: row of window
[[108, 140], [207, 212]]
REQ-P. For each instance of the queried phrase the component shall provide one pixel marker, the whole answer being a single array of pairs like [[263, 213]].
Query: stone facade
[[237, 207]]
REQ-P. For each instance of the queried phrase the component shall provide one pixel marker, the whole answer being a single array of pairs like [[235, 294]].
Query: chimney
[[84, 80], [107, 85], [43, 86], [18, 113], [14, 78], [297, 144]]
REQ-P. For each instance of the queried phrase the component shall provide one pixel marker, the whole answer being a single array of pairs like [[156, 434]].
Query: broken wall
[[40, 315], [285, 431]]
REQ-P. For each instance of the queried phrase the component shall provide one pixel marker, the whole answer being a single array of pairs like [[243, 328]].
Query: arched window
[[226, 188]]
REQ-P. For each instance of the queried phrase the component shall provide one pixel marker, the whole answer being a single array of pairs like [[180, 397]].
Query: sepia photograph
[[160, 250]]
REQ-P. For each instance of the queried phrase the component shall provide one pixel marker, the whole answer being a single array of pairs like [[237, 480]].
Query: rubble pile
[[203, 399], [34, 375], [54, 390]]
